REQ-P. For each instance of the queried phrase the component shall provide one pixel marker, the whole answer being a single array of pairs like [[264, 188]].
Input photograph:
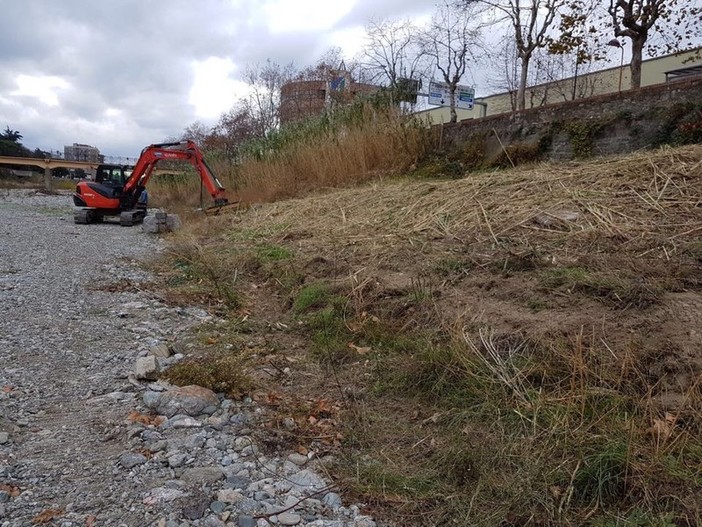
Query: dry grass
[[381, 145], [633, 198], [515, 347]]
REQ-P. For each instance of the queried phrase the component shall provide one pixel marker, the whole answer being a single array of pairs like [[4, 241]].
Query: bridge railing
[[112, 160]]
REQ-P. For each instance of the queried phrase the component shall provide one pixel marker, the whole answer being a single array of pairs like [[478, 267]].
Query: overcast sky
[[121, 74]]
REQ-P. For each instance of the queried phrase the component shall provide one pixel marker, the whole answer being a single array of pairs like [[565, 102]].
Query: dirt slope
[[518, 347]]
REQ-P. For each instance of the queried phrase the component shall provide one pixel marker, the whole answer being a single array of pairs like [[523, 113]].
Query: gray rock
[[229, 496], [218, 507], [213, 521], [189, 400], [298, 459], [242, 442], [160, 350], [147, 368], [4, 438], [202, 475], [151, 398], [246, 521], [184, 421], [332, 500], [164, 494], [239, 419], [4, 496], [250, 450], [158, 446], [238, 482], [289, 518], [307, 480], [173, 222], [195, 509], [130, 460], [177, 460], [160, 222]]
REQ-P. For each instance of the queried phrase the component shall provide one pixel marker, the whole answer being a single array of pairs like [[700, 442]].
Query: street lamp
[[616, 44]]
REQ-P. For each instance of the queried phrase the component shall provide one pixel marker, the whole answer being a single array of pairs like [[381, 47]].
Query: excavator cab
[[112, 175]]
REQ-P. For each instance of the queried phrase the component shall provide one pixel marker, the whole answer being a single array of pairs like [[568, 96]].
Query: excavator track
[[127, 218], [85, 216]]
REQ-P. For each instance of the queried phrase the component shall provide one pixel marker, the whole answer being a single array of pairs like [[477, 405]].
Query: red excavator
[[116, 192]]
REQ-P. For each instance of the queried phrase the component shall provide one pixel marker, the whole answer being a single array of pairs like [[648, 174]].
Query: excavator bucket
[[215, 210]]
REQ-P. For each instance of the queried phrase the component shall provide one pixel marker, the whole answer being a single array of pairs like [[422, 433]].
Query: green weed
[[273, 253], [602, 477], [312, 296]]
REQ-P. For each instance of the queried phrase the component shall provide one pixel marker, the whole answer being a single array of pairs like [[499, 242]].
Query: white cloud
[[351, 40], [214, 91], [42, 87], [304, 15]]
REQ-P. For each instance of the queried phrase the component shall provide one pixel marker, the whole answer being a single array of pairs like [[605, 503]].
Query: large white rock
[[146, 368]]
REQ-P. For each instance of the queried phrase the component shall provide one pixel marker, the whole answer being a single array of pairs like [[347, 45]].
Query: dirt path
[[77, 444]]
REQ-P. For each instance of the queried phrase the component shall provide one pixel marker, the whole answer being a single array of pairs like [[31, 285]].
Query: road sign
[[440, 95]]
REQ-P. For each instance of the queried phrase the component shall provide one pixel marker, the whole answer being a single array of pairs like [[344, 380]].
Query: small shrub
[[602, 477], [689, 129], [220, 373], [208, 271], [473, 154], [439, 167], [331, 338], [519, 153]]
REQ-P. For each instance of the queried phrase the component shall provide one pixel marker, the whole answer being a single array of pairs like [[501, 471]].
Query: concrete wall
[[601, 125], [588, 85]]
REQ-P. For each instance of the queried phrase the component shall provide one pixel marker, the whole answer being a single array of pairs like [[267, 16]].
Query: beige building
[[81, 152], [653, 71]]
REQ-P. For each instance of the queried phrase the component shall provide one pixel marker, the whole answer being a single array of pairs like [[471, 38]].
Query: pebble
[[82, 417]]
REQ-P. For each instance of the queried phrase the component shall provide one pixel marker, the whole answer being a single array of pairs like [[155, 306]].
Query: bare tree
[[391, 53], [323, 70], [530, 22], [197, 132], [447, 41], [637, 20], [265, 81], [234, 128]]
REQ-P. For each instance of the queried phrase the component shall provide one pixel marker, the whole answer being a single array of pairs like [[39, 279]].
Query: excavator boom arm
[[181, 151]]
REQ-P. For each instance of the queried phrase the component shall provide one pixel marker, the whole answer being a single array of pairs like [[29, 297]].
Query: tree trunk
[[521, 91], [454, 115], [637, 46]]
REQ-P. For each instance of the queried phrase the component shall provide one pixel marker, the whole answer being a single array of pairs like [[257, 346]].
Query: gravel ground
[[70, 455]]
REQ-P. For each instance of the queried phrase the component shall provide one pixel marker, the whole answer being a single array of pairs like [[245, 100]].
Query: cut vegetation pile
[[520, 347]]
